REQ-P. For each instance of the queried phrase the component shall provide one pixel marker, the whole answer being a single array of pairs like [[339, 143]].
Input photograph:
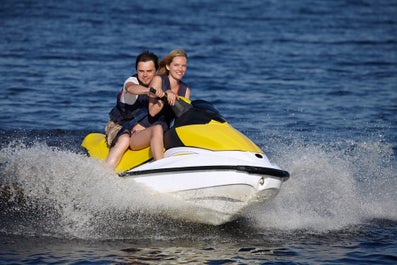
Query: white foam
[[333, 186]]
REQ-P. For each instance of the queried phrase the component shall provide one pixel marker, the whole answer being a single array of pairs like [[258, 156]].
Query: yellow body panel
[[216, 136], [95, 143]]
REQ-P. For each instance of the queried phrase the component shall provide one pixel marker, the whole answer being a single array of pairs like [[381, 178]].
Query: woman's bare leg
[[157, 142], [153, 137], [117, 151]]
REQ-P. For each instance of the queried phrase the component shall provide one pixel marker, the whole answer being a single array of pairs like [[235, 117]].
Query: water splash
[[67, 194], [332, 186]]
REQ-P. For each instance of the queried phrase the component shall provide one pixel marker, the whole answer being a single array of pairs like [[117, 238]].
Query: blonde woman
[[169, 79]]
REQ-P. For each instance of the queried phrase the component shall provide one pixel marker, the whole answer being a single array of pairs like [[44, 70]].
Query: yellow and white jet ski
[[207, 163]]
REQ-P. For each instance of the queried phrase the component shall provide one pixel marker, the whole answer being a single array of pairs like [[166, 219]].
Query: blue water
[[313, 83]]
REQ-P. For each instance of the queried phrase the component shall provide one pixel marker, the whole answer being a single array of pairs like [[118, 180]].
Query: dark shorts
[[112, 128]]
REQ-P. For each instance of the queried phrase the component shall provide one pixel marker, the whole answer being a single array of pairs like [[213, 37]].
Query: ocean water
[[313, 83]]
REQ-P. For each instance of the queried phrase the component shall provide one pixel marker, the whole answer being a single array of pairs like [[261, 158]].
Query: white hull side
[[221, 204], [215, 196]]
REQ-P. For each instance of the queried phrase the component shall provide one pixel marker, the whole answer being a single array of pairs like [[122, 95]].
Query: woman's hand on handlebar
[[171, 97]]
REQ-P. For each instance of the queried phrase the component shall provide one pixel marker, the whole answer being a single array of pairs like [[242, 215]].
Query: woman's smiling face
[[177, 67]]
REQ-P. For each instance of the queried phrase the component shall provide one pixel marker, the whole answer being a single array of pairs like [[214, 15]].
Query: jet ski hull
[[213, 170], [219, 185]]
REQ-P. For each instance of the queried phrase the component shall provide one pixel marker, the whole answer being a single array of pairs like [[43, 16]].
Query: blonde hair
[[168, 59]]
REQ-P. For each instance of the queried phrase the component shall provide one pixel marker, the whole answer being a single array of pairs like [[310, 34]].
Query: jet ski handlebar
[[180, 107]]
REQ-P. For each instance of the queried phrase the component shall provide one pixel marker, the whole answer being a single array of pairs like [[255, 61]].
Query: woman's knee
[[123, 140], [157, 131]]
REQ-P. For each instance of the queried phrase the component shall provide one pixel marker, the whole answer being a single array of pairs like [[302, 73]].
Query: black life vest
[[166, 114], [123, 112]]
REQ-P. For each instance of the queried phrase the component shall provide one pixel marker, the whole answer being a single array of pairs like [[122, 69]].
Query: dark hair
[[147, 56]]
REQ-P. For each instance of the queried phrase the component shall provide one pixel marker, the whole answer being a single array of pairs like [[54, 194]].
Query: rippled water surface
[[313, 83]]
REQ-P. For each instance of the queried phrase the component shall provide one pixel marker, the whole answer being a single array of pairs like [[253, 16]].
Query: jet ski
[[216, 171]]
